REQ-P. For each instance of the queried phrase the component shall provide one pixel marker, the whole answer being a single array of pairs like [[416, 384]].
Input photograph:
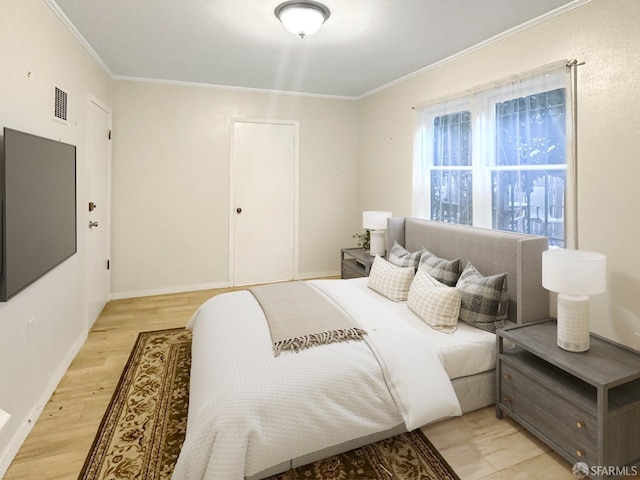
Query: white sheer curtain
[[440, 167], [501, 156]]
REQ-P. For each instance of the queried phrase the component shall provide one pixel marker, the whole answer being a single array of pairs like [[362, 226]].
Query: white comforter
[[249, 410]]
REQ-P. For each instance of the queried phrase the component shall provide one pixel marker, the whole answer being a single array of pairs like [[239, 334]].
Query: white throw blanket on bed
[[249, 410]]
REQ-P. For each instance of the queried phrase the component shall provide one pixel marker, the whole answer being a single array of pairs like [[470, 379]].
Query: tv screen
[[38, 183]]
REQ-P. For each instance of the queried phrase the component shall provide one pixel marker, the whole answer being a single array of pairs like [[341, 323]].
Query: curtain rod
[[574, 63], [498, 83]]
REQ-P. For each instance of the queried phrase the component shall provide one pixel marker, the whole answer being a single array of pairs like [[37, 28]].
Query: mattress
[[466, 352]]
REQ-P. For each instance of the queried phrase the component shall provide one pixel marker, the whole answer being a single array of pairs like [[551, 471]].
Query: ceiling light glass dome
[[302, 18]]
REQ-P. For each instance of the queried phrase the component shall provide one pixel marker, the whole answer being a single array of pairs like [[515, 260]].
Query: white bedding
[[249, 410], [467, 352]]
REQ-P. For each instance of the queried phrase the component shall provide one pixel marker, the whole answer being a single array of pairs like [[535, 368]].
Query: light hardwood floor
[[477, 445]]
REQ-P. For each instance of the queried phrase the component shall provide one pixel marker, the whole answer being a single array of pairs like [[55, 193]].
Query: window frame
[[481, 103]]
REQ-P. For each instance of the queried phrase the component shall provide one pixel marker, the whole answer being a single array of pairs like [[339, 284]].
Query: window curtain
[[501, 156], [443, 160]]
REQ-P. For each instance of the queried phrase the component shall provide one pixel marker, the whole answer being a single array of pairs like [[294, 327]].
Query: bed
[[253, 413]]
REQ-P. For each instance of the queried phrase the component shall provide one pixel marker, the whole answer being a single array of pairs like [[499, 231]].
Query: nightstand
[[355, 262], [586, 406]]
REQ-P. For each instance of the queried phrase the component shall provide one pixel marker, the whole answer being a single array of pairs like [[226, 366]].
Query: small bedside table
[[355, 262], [586, 406]]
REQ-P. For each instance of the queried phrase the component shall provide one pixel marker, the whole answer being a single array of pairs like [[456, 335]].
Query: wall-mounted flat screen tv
[[38, 193]]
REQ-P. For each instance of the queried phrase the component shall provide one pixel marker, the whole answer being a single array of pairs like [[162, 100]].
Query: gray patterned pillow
[[401, 257], [483, 302], [445, 271], [391, 281]]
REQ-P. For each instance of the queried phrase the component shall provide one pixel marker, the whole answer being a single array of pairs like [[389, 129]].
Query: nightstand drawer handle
[[507, 376], [580, 424], [580, 453]]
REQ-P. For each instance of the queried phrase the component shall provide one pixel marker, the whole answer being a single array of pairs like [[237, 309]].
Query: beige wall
[[36, 51], [171, 158], [605, 35]]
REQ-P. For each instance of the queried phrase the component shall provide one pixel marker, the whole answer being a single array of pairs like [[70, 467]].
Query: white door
[[97, 204], [263, 202]]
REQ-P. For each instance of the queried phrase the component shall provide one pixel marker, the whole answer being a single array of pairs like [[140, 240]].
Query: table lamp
[[376, 223], [574, 275]]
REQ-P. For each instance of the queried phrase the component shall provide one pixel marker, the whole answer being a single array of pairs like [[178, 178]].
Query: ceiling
[[363, 46]]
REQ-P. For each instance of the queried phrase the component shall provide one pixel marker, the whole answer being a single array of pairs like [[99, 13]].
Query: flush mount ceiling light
[[302, 18]]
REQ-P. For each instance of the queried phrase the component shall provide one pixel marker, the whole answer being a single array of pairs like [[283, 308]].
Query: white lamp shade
[[375, 220], [301, 19], [574, 272]]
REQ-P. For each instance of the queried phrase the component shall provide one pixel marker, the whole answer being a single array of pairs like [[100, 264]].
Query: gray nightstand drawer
[[555, 417], [586, 403]]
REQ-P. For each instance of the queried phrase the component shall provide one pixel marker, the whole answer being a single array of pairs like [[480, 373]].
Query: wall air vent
[[60, 104]]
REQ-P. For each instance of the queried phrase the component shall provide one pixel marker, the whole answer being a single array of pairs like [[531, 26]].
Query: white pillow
[[434, 302], [391, 281]]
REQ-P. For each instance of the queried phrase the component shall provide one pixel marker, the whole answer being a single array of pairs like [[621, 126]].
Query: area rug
[[145, 423], [142, 431], [409, 456]]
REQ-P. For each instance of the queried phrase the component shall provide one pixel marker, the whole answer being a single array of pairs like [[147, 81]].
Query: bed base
[[473, 392]]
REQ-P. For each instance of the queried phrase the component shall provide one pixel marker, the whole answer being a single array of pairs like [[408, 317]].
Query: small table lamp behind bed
[[376, 223]]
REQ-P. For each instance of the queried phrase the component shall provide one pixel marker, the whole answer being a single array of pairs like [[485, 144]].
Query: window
[[498, 158], [451, 174]]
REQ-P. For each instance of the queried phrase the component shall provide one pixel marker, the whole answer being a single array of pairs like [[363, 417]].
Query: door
[[97, 205], [263, 202]]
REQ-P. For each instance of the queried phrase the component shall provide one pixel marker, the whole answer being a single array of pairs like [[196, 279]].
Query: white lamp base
[[377, 243], [573, 323]]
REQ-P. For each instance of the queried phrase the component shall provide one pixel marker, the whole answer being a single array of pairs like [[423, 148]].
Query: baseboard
[[206, 286], [169, 290], [9, 453], [309, 275]]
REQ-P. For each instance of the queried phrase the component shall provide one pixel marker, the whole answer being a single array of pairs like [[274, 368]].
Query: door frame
[[98, 103], [296, 189]]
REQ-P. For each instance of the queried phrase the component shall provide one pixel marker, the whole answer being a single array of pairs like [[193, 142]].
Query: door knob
[[238, 210], [92, 224]]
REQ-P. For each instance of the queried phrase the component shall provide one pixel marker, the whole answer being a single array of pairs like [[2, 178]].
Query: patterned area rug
[[409, 456], [145, 424]]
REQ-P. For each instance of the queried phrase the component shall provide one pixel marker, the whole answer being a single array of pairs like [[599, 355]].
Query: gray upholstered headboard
[[490, 251]]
